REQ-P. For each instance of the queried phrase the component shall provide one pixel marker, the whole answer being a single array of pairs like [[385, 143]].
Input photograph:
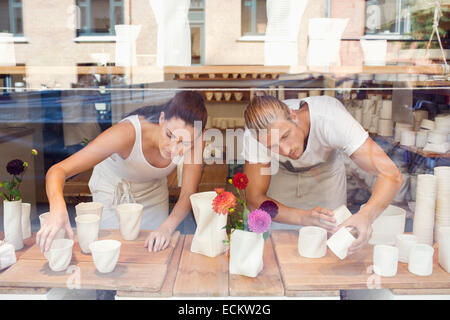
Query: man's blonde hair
[[264, 110]]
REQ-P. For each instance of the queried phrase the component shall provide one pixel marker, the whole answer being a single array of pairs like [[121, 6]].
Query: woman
[[306, 139], [131, 161]]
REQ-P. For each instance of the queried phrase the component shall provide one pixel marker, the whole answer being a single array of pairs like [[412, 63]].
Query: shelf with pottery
[[414, 149]]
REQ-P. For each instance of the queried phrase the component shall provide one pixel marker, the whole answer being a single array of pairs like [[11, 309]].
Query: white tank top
[[135, 168]]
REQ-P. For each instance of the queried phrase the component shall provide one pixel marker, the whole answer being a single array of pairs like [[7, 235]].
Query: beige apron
[[322, 185], [111, 190]]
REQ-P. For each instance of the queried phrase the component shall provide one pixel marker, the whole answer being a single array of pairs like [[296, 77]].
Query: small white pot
[[60, 254], [130, 219], [421, 260], [209, 235], [312, 242], [246, 253], [89, 208], [12, 223], [404, 244], [340, 242], [7, 255], [105, 254], [385, 260], [87, 230], [26, 224], [61, 234]]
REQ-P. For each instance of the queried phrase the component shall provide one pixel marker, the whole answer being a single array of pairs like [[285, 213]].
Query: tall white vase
[[26, 223], [210, 235], [246, 253], [12, 223]]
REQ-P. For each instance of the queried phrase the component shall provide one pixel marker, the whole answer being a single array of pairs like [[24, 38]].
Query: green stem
[[4, 196]]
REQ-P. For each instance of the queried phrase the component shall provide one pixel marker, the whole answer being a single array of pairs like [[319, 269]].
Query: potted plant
[[12, 203], [246, 230]]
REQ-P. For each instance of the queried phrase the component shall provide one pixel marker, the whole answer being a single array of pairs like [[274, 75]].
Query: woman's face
[[176, 137], [285, 138]]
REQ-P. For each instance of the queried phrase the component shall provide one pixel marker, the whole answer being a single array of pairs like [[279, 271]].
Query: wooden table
[[136, 270], [355, 272], [177, 272]]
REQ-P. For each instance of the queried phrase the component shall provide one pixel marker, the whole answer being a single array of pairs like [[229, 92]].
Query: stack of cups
[[421, 138], [444, 248], [385, 123], [399, 127], [442, 175], [427, 124], [424, 212], [408, 138], [442, 123]]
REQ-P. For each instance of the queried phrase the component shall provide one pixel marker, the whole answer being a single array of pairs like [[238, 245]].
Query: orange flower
[[223, 202]]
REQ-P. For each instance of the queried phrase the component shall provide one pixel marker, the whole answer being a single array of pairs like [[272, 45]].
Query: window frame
[[12, 5], [87, 5], [398, 33], [253, 32]]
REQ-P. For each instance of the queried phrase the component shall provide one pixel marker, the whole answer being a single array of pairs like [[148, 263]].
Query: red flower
[[223, 202], [240, 180]]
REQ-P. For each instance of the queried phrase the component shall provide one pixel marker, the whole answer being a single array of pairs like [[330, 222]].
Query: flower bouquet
[[12, 203], [246, 230]]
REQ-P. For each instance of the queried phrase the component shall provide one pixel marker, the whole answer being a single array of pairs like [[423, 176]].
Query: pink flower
[[223, 202], [259, 221]]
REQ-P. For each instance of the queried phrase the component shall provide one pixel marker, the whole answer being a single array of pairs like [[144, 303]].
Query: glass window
[[98, 17], [11, 16], [388, 17], [253, 17]]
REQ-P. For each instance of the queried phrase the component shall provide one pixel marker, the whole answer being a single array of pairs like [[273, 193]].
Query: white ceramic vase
[[340, 242], [246, 253], [105, 254], [26, 223], [312, 242], [87, 230], [130, 219], [12, 223], [89, 208], [385, 260], [209, 235], [420, 260], [60, 254]]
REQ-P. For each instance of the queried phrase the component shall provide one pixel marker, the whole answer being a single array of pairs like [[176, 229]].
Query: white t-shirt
[[331, 128]]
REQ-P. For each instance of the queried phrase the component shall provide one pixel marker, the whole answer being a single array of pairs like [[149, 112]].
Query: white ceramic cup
[[312, 242], [340, 242], [60, 254], [105, 254], [61, 234], [87, 230], [420, 261], [89, 208], [385, 260], [130, 219], [404, 244]]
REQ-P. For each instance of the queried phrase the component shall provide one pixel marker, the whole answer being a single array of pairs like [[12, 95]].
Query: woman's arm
[[116, 139], [256, 194], [371, 158], [192, 172]]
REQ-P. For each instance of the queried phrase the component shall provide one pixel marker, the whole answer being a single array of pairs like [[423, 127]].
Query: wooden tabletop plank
[[126, 276], [130, 252], [267, 283], [355, 272], [167, 287], [199, 275]]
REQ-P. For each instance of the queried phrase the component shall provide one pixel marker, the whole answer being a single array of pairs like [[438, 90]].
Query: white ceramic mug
[[60, 254], [385, 260], [312, 242], [87, 230], [105, 254], [340, 242], [421, 260], [404, 244]]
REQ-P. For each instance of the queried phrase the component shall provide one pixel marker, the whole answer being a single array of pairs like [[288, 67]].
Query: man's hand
[[316, 216], [363, 224]]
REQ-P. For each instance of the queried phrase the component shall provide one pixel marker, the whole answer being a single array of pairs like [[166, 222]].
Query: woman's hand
[[158, 240], [317, 216], [53, 223], [363, 224]]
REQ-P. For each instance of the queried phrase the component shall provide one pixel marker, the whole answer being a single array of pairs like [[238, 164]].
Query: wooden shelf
[[416, 150]]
